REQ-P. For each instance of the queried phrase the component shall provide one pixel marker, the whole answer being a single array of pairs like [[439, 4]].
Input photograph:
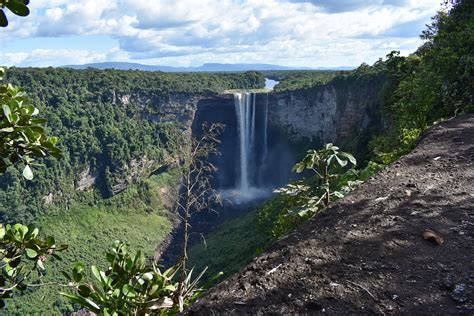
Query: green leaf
[[18, 8], [147, 276], [66, 275], [35, 233], [341, 163], [350, 157], [84, 302], [96, 273], [31, 253], [77, 272], [7, 112], [27, 173], [116, 293], [129, 291], [50, 241], [22, 229], [84, 290], [7, 130], [53, 140], [14, 118], [3, 19]]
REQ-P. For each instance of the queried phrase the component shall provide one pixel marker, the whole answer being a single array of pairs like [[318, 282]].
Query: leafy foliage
[[136, 215], [131, 287], [300, 79], [330, 179], [22, 254], [22, 136], [432, 84], [22, 139], [109, 121], [17, 7], [325, 163]]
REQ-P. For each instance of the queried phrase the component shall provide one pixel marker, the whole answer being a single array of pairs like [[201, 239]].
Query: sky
[[295, 33]]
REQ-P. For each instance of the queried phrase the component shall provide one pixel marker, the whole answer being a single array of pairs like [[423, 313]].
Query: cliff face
[[345, 112], [178, 108], [339, 112]]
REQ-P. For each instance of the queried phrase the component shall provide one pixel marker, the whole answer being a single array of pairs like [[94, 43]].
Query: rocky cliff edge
[[402, 243]]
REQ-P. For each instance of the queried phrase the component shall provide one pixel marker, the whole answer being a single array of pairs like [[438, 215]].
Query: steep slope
[[367, 253]]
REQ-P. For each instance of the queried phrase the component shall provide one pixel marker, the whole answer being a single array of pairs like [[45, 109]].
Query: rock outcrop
[[335, 112]]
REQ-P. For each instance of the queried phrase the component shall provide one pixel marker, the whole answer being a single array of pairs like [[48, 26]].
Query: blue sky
[[311, 33]]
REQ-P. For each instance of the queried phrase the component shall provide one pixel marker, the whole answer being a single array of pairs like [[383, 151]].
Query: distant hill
[[209, 67]]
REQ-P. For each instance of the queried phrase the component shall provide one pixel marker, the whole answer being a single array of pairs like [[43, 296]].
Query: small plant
[[330, 179], [22, 257], [327, 165], [131, 287]]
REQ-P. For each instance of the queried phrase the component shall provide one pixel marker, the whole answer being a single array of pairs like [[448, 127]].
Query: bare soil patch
[[372, 253]]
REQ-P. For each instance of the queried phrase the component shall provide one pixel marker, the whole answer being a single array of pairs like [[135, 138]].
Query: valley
[[120, 177], [245, 187]]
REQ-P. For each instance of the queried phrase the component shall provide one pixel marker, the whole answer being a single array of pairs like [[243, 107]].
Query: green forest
[[116, 129], [105, 120]]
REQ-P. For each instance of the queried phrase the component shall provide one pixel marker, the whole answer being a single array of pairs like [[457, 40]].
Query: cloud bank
[[187, 32]]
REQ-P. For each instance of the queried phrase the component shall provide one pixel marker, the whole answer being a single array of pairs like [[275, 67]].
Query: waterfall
[[242, 111], [252, 140], [265, 130]]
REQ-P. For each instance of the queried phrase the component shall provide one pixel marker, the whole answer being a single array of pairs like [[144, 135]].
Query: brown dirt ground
[[366, 254]]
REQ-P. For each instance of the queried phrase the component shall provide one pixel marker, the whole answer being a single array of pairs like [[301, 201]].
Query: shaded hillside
[[367, 253]]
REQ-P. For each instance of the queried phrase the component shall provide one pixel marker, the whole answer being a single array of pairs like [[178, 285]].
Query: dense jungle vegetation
[[105, 120], [300, 79], [115, 128]]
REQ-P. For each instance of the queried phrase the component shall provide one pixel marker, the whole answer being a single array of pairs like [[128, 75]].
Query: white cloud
[[293, 32]]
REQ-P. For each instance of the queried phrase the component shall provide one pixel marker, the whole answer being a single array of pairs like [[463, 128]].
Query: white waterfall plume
[[253, 142], [265, 130], [242, 110], [252, 125]]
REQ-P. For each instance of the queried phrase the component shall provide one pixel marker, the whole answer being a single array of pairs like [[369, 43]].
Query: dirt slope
[[366, 254]]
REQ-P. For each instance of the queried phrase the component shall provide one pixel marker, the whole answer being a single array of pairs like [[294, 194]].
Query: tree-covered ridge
[[300, 79], [114, 126], [432, 84]]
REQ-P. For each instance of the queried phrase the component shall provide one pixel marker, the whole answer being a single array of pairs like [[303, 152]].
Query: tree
[[22, 254], [195, 193], [129, 286], [22, 139]]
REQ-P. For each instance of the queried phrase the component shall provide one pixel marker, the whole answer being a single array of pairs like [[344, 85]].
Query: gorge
[[122, 144], [100, 170]]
